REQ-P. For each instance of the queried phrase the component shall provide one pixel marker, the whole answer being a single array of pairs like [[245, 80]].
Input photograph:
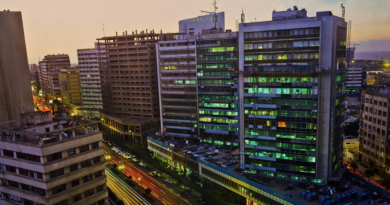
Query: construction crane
[[214, 12]]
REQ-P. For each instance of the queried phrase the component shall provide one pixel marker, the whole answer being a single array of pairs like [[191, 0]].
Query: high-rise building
[[128, 75], [70, 86], [374, 126], [198, 85], [15, 83], [354, 79], [46, 161], [46, 65], [53, 77], [90, 81], [196, 25], [291, 92]]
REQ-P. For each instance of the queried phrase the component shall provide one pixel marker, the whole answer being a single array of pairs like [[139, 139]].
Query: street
[[160, 191]]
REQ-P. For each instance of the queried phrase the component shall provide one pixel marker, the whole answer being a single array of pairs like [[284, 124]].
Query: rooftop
[[128, 118]]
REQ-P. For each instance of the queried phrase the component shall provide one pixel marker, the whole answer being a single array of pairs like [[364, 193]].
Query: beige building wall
[[15, 83]]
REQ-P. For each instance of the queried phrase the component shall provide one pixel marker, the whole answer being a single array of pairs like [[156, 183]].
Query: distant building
[[51, 161], [197, 24], [15, 81], [354, 79], [53, 77], [90, 81], [46, 65], [374, 127], [375, 77], [70, 86], [128, 81]]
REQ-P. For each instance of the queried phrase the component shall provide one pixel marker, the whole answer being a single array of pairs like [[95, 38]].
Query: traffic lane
[[125, 195], [169, 194]]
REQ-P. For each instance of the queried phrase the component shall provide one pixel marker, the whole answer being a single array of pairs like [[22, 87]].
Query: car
[[126, 156], [135, 159], [152, 174], [201, 200], [169, 181], [186, 192], [143, 164]]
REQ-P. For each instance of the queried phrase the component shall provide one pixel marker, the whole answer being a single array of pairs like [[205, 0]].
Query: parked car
[[143, 164], [186, 192], [152, 174], [135, 159], [169, 181]]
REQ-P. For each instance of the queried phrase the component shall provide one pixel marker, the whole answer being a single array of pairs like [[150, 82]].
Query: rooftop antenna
[[215, 13], [104, 34], [343, 10], [242, 16]]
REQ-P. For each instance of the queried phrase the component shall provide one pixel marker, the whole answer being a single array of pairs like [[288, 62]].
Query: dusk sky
[[54, 26]]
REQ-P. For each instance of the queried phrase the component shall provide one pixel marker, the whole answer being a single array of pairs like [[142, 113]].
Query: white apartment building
[[48, 161], [90, 81]]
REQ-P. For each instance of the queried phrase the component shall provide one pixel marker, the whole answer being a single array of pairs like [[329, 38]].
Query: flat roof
[[129, 118]]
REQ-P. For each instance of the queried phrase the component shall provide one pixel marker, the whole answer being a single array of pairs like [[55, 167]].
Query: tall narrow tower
[[15, 83]]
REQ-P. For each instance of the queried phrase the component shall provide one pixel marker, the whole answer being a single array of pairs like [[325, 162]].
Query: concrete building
[[128, 78], [198, 87], [197, 24], [70, 86], [15, 83], [51, 161], [375, 77], [374, 126], [90, 81], [46, 65], [291, 92], [354, 79], [53, 77], [351, 149]]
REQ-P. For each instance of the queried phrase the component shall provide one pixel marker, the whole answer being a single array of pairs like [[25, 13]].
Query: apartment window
[[56, 173], [95, 145], [375, 102], [385, 104], [366, 109], [380, 103], [75, 182], [31, 174], [28, 157], [10, 169], [379, 112], [374, 120], [98, 174], [384, 114], [367, 100], [71, 152], [54, 157], [101, 202], [96, 160], [73, 167], [13, 184], [379, 121], [77, 197], [99, 188], [89, 193], [58, 189], [28, 202], [383, 132], [86, 163], [34, 189], [8, 153], [383, 123], [84, 148], [15, 198], [87, 178]]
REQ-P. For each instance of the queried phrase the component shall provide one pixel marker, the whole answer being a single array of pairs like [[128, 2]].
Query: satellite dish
[[24, 108]]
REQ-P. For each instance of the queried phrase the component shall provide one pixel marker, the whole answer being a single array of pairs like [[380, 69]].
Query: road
[[161, 192], [123, 191]]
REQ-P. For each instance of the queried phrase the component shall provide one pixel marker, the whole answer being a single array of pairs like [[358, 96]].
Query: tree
[[352, 129], [386, 183], [147, 191], [115, 166], [354, 166], [119, 202]]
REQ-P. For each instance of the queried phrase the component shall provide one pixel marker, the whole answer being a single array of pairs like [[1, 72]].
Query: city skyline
[[65, 27]]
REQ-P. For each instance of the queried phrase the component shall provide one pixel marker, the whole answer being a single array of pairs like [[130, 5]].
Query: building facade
[[374, 127], [50, 162], [15, 83], [291, 91], [128, 76], [53, 77], [198, 84], [354, 77], [46, 65], [375, 77], [90, 81], [196, 25], [70, 86]]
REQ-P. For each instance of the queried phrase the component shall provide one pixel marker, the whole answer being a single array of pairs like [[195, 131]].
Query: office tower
[[128, 75], [53, 77], [15, 83], [197, 24], [47, 161], [291, 90], [354, 79], [198, 87], [374, 127], [46, 65], [70, 86], [90, 81]]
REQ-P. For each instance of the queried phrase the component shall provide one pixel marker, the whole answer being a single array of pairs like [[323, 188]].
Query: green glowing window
[[228, 143], [218, 142], [235, 144], [318, 181], [281, 175], [178, 82]]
